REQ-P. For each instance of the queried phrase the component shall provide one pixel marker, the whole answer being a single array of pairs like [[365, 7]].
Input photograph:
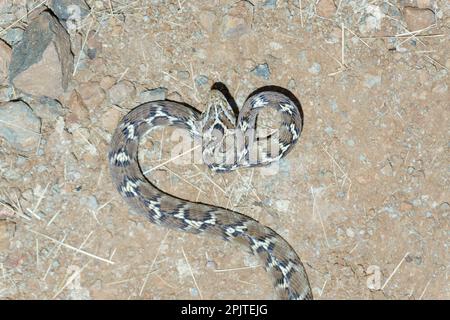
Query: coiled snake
[[215, 125]]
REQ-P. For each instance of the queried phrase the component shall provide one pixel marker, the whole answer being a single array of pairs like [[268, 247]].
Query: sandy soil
[[363, 197]]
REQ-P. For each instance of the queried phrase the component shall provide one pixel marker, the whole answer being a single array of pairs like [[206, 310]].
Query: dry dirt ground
[[363, 197]]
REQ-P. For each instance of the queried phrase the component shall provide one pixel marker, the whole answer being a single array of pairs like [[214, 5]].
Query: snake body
[[218, 121]]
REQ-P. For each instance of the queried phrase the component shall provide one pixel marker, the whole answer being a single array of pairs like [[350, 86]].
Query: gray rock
[[13, 36], [47, 108], [371, 80], [315, 68], [262, 70], [271, 4], [238, 20], [184, 75], [19, 125], [69, 9], [121, 91], [90, 201], [42, 62], [153, 95], [201, 80]]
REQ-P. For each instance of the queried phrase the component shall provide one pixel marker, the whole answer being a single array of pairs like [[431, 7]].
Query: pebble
[[72, 10], [282, 205], [351, 143], [201, 80], [315, 68], [406, 206], [76, 105], [238, 20], [23, 137], [350, 233], [183, 75], [417, 18], [121, 91], [194, 292], [107, 82], [90, 201], [211, 264], [92, 94], [5, 59], [371, 80], [291, 84], [153, 95], [262, 71], [387, 170], [111, 119], [326, 8], [47, 108], [372, 18], [42, 62], [13, 36], [270, 4]]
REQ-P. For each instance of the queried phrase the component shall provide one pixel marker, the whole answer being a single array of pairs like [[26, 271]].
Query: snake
[[214, 127]]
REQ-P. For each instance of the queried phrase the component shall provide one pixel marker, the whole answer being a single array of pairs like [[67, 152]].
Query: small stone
[[77, 107], [19, 125], [70, 12], [270, 4], [121, 91], [262, 70], [194, 292], [372, 18], [326, 8], [282, 205], [211, 264], [13, 36], [406, 206], [315, 68], [156, 94], [329, 130], [291, 84], [417, 18], [201, 80], [387, 170], [371, 80], [47, 108], [350, 233], [107, 82], [5, 59], [92, 94], [238, 20], [111, 118], [42, 62], [90, 201], [183, 75]]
